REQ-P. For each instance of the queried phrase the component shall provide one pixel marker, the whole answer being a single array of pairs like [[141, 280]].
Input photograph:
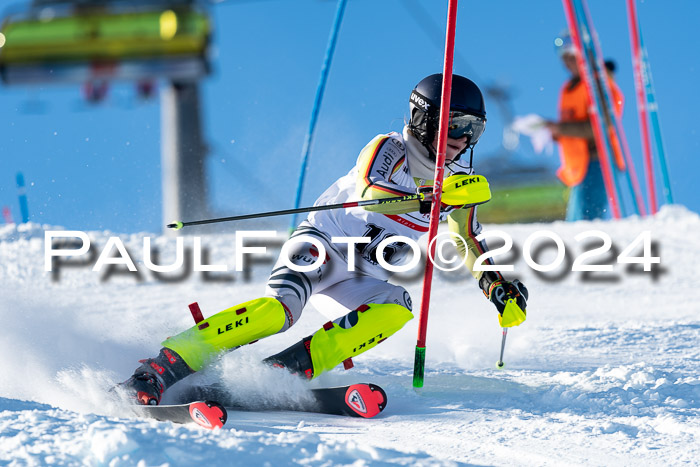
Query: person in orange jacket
[[580, 166]]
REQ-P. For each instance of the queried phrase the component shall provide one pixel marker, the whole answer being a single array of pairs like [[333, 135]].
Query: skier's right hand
[[427, 201]]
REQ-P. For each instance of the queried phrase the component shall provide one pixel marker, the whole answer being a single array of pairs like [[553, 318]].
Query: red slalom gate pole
[[419, 362]]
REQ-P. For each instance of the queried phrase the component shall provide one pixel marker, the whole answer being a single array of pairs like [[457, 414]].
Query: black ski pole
[[370, 202]]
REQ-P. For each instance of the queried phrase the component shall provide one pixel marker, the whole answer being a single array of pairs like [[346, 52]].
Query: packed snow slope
[[605, 371]]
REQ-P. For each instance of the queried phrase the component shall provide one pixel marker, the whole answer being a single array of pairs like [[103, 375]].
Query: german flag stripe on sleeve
[[380, 167], [397, 168]]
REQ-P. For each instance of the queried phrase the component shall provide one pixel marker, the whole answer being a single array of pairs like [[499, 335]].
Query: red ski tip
[[366, 400], [208, 414]]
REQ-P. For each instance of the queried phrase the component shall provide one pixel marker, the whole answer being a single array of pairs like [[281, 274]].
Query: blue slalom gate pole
[[330, 48], [22, 193], [652, 109]]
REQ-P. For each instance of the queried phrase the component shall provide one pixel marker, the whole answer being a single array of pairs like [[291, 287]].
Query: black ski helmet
[[425, 108]]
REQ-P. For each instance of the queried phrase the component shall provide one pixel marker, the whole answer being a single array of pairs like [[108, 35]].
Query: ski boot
[[295, 359], [340, 340], [154, 376]]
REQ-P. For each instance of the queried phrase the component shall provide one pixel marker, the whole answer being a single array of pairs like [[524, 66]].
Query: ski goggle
[[462, 124]]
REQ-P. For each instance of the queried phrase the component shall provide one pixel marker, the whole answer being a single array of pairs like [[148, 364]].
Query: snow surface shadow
[[672, 339], [619, 391], [14, 405]]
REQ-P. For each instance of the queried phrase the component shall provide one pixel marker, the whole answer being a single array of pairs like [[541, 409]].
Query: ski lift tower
[[95, 42]]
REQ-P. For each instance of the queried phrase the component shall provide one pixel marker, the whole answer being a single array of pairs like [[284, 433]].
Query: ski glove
[[426, 203], [510, 299]]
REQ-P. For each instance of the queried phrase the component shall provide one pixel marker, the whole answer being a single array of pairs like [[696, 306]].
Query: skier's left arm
[[502, 293]]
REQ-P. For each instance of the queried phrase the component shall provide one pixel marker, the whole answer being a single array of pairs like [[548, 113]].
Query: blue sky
[[98, 167]]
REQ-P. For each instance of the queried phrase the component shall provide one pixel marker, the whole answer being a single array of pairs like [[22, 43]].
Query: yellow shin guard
[[228, 329], [375, 322]]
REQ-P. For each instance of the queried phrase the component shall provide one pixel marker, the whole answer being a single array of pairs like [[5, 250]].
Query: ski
[[207, 414], [364, 400]]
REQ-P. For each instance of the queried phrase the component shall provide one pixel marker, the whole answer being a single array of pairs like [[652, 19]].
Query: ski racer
[[393, 164]]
